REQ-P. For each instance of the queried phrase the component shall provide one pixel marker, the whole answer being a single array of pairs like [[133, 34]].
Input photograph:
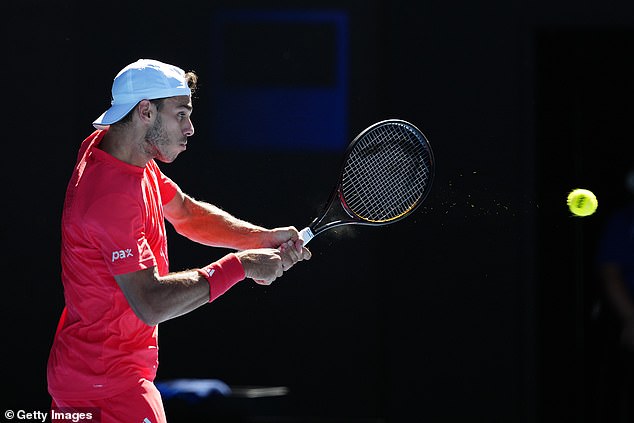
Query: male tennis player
[[117, 283]]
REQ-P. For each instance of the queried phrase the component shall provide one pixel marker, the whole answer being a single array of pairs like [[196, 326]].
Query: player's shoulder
[[103, 183]]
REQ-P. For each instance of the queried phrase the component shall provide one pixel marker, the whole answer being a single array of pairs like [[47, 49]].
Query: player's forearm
[[176, 294], [165, 297], [155, 299], [209, 225]]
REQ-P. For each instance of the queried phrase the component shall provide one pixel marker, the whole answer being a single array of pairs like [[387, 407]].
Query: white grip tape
[[306, 235]]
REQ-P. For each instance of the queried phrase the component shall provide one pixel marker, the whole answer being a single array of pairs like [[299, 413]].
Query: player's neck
[[125, 145]]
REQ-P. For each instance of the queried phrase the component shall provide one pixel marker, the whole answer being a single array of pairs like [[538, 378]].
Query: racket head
[[387, 173]]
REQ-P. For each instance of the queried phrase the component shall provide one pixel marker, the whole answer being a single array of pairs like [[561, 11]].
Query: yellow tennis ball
[[582, 202]]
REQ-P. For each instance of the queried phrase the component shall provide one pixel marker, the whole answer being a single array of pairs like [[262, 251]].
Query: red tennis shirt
[[112, 224]]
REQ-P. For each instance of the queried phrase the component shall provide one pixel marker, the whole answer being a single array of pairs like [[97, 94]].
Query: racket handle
[[306, 235]]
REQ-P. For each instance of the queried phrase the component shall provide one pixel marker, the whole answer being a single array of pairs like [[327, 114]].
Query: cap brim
[[113, 115]]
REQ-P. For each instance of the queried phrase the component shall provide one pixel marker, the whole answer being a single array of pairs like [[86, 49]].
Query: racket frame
[[336, 209]]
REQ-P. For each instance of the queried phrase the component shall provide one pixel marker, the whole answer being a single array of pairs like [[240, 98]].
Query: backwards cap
[[144, 79]]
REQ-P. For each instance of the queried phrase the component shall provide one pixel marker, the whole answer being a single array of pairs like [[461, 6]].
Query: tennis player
[[115, 267]]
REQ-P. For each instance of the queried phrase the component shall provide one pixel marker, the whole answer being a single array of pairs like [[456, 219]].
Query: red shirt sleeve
[[167, 187], [115, 224]]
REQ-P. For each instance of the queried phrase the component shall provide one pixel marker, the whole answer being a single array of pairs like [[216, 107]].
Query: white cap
[[144, 79]]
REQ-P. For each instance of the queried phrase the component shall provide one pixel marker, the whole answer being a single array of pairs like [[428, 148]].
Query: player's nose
[[188, 130]]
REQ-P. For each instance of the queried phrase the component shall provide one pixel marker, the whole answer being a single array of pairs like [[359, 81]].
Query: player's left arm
[[209, 225]]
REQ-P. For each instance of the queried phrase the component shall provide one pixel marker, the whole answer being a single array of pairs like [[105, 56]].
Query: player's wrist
[[222, 275]]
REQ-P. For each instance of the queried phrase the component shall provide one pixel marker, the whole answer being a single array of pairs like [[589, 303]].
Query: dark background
[[480, 307]]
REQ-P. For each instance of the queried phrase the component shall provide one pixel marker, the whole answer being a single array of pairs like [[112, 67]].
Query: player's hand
[[287, 240], [264, 265], [273, 238], [293, 252]]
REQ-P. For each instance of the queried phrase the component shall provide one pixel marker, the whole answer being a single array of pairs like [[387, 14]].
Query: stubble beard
[[156, 140]]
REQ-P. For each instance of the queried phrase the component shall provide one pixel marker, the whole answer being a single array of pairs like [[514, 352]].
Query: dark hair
[[192, 83]]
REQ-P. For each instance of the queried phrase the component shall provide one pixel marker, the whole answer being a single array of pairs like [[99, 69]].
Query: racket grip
[[306, 235]]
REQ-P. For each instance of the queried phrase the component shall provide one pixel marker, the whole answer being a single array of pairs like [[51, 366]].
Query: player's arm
[[155, 298], [209, 225]]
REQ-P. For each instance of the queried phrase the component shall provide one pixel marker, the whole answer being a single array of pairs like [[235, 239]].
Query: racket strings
[[386, 173]]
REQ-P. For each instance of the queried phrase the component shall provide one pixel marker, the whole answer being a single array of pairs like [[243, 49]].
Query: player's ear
[[145, 111]]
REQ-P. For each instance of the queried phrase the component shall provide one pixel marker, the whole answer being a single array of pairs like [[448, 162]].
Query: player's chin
[[169, 158]]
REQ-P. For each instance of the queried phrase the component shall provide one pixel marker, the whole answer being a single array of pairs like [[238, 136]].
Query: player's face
[[167, 137]]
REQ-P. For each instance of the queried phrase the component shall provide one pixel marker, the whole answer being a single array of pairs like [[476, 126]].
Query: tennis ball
[[582, 202]]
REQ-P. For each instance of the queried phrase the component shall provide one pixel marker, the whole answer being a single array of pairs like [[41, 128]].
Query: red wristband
[[222, 275]]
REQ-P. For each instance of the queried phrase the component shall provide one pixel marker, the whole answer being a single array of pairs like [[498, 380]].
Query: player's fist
[[264, 265], [292, 252]]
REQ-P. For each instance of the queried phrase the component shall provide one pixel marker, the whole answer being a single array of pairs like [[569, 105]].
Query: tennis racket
[[387, 172]]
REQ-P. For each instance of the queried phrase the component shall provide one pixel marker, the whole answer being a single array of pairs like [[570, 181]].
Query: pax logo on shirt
[[121, 254]]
